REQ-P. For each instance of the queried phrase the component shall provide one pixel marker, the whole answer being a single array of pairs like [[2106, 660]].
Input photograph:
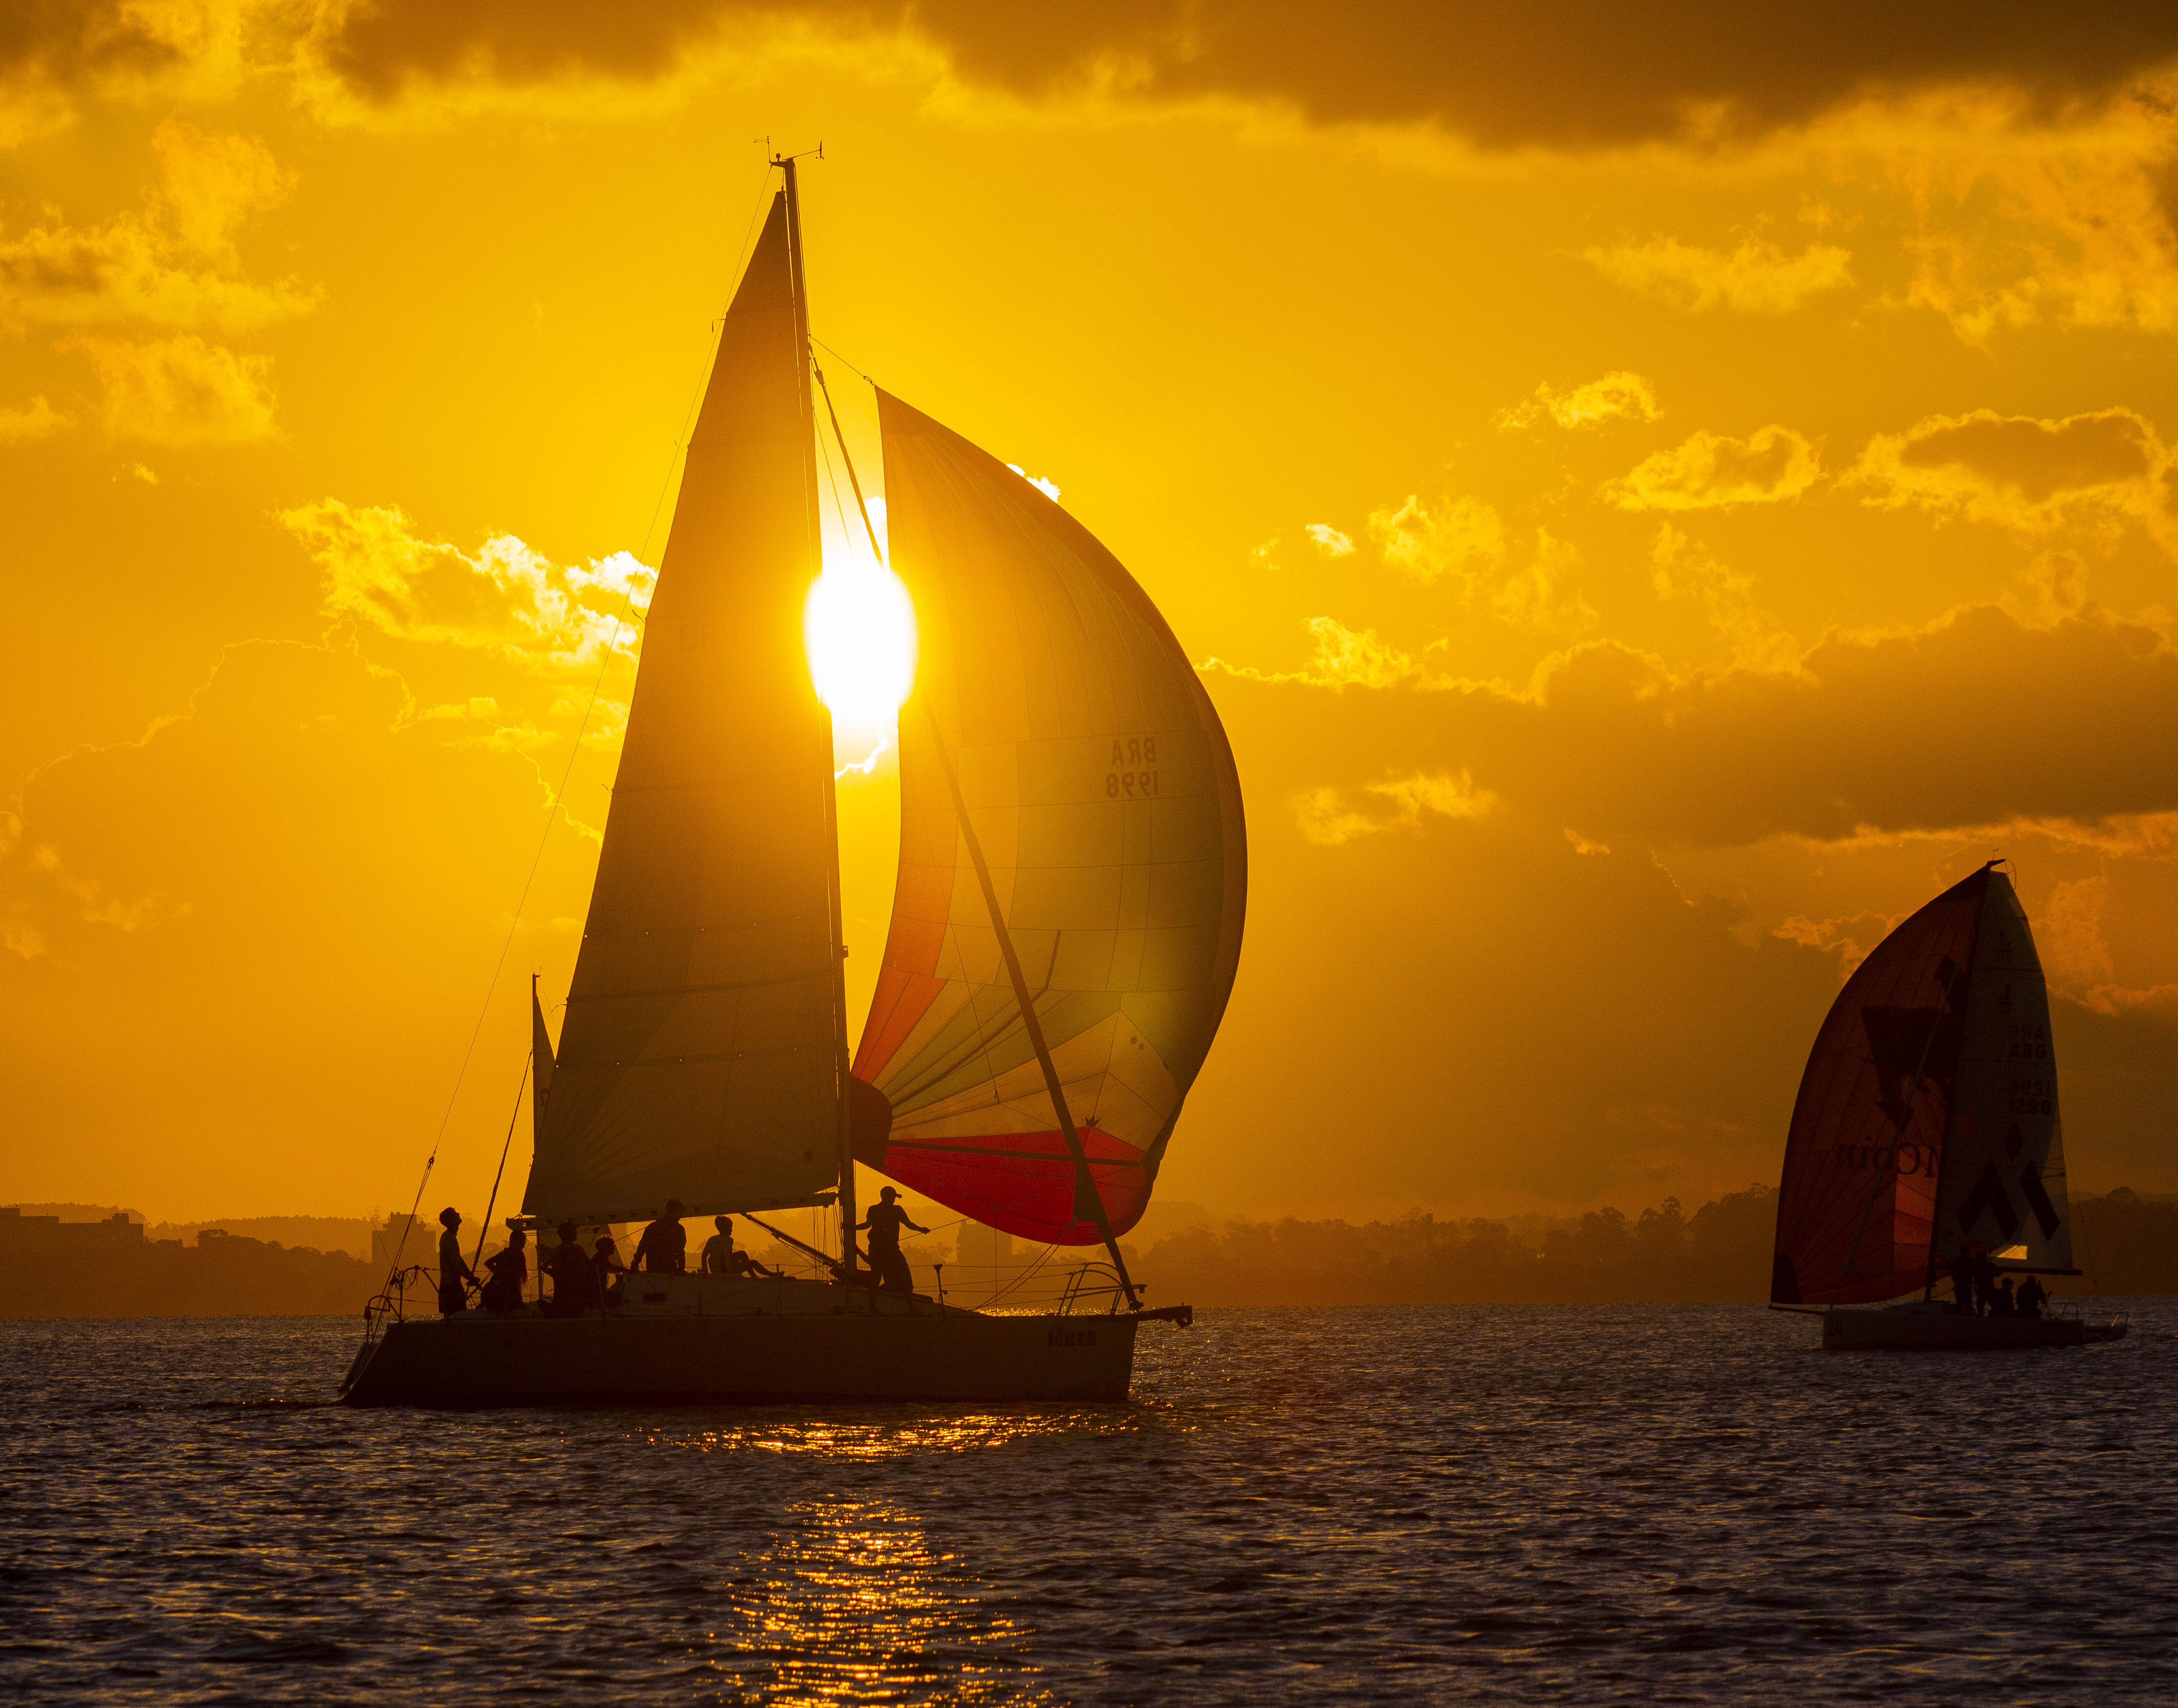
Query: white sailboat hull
[[1933, 1329], [869, 1348]]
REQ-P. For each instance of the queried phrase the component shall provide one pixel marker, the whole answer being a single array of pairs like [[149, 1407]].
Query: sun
[[859, 626]]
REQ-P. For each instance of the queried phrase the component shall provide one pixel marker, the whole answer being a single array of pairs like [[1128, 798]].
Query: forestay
[[1102, 789], [699, 1057]]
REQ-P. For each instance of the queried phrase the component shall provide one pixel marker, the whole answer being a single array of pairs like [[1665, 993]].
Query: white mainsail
[[700, 1056]]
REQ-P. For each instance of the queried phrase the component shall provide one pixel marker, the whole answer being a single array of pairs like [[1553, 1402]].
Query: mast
[[843, 1120]]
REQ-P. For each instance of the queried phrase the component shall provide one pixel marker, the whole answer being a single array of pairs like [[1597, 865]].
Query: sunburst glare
[[859, 627]]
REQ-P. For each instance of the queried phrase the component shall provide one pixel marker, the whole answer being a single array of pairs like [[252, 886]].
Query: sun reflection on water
[[851, 1603]]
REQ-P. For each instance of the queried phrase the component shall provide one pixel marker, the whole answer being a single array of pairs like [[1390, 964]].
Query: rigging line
[[843, 362], [491, 1204]]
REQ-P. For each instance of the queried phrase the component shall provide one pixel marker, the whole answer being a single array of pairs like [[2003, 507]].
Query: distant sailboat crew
[[1064, 936], [1925, 1140]]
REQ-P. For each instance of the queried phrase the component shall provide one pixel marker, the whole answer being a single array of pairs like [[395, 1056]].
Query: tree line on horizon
[[1720, 1254]]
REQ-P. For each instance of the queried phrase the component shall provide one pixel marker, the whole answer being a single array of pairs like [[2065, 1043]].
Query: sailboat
[[1064, 935], [1926, 1135]]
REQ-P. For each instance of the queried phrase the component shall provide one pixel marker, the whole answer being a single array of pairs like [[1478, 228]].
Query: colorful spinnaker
[[1055, 709], [1926, 1125]]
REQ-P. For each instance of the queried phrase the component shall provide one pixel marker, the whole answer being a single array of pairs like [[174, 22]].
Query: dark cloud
[[1567, 72], [2039, 459], [67, 41], [1978, 720]]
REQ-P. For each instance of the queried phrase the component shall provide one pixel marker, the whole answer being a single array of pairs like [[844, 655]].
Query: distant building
[[44, 1235], [387, 1241]]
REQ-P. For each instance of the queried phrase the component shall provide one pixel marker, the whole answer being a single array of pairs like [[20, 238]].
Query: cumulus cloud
[[1329, 816], [1977, 721], [1459, 536], [1711, 470], [506, 599], [1756, 278], [1685, 569], [171, 266], [2017, 470], [1501, 74], [183, 391], [1335, 543], [36, 419], [1616, 396]]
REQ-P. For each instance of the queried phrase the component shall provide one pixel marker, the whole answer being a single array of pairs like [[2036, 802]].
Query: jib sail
[[1102, 793], [699, 1059]]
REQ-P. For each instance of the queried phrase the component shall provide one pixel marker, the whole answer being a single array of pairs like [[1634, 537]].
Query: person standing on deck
[[2033, 1297], [572, 1277], [455, 1276], [509, 1274], [2001, 1303], [663, 1250], [883, 1225], [1962, 1285]]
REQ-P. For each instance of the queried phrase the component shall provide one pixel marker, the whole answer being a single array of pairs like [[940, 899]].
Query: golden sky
[[1657, 492]]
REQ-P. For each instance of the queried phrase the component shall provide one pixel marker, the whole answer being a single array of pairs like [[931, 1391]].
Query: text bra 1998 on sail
[[1925, 1146], [1061, 951]]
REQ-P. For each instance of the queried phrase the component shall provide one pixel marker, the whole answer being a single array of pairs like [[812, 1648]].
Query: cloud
[[1683, 569], [2017, 470], [183, 391], [1329, 816], [1756, 278], [1501, 74], [1978, 720], [506, 599], [1616, 396], [36, 419], [1335, 543], [1459, 536], [174, 265], [1710, 470]]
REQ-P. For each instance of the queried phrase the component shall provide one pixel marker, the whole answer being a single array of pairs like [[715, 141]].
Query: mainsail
[[700, 1056], [1926, 1124], [1101, 791]]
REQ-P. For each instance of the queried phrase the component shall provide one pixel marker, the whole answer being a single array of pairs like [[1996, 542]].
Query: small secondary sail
[[1102, 792], [1927, 1118], [699, 1059]]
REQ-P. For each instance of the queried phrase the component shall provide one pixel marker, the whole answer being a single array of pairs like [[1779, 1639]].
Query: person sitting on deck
[[2000, 1301], [2033, 1296], [720, 1258], [574, 1281], [455, 1276], [611, 1274], [509, 1274], [663, 1250], [883, 1225]]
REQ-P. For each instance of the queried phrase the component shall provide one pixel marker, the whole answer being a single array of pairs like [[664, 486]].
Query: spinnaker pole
[[844, 1118]]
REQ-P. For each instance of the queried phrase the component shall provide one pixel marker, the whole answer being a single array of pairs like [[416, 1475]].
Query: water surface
[[1660, 1503]]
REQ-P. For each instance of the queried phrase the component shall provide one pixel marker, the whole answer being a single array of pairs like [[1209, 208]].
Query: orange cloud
[[1977, 720], [506, 599], [1712, 471], [1459, 536], [2017, 471], [183, 391], [36, 419], [1616, 396], [1503, 76], [1756, 278]]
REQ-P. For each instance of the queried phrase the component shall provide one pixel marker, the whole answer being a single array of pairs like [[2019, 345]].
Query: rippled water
[[1667, 1504]]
